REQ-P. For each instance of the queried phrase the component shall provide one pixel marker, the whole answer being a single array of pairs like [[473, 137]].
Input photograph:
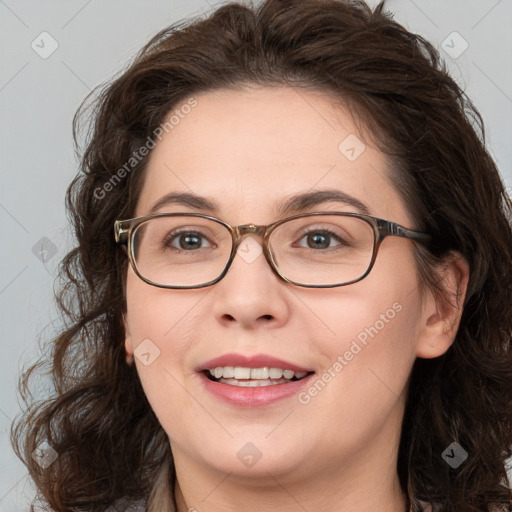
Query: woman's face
[[249, 151]]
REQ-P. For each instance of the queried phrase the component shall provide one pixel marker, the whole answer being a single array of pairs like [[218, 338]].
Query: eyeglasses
[[314, 250]]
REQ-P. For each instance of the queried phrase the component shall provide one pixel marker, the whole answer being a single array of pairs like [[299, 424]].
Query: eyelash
[[175, 234], [167, 242]]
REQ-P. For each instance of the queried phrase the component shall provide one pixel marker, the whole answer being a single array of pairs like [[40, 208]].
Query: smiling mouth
[[253, 377]]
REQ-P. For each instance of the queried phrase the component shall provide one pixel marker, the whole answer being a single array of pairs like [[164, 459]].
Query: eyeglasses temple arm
[[393, 229]]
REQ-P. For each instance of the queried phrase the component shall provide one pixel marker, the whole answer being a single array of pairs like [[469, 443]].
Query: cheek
[[373, 324], [160, 325], [367, 363], [165, 317], [375, 332]]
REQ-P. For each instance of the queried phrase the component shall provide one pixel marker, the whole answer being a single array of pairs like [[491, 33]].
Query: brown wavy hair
[[110, 446]]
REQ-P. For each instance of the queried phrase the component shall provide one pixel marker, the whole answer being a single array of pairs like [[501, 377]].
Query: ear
[[128, 342], [441, 316]]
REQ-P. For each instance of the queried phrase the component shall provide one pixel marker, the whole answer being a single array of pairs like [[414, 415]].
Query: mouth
[[247, 377], [252, 380]]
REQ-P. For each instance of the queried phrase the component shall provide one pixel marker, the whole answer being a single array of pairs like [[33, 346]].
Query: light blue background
[[38, 98]]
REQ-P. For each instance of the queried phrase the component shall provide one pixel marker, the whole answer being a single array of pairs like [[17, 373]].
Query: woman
[[292, 279]]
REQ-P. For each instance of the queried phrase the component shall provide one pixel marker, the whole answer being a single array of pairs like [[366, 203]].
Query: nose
[[251, 295]]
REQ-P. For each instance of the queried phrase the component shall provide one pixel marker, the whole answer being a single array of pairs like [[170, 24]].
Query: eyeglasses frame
[[124, 230]]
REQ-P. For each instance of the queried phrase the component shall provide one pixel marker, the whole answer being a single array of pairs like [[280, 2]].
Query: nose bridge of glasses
[[249, 229]]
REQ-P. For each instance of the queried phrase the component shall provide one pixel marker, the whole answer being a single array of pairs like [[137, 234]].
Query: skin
[[248, 149]]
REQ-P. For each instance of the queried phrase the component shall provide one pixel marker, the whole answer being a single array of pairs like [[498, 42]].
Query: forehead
[[251, 148]]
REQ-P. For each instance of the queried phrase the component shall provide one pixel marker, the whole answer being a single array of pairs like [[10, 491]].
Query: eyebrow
[[308, 200], [189, 200], [293, 204]]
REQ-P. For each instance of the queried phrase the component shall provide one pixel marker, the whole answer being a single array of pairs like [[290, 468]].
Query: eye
[[321, 239], [186, 240]]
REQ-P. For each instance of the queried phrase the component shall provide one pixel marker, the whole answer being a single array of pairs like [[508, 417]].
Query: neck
[[230, 496]]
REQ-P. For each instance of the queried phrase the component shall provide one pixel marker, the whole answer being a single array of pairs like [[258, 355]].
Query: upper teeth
[[238, 372]]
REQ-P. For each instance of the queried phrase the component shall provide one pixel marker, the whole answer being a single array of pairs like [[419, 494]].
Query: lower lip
[[254, 397]]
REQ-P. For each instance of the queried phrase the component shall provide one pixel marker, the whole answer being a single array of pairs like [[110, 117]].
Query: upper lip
[[254, 361]]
